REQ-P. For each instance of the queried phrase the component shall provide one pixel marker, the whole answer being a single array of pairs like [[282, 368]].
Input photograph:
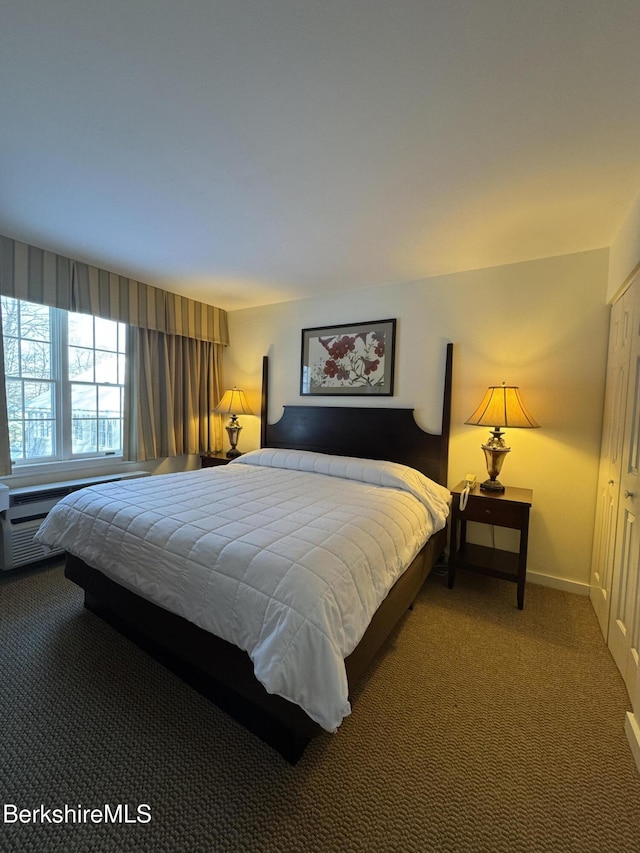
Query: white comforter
[[286, 554]]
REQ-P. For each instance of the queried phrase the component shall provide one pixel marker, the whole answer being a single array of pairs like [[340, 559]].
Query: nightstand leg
[[522, 564], [453, 546]]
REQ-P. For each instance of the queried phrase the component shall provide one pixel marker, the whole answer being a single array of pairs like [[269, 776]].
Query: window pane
[[11, 356], [31, 411], [83, 413], [14, 399], [35, 322], [16, 440], [38, 399], [80, 330], [35, 359], [10, 318], [38, 436], [110, 422], [81, 364], [106, 335], [122, 337], [109, 401], [106, 367], [84, 436], [110, 432], [84, 401]]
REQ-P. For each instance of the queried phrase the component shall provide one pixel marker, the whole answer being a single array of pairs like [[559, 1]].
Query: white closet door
[[602, 564], [624, 617]]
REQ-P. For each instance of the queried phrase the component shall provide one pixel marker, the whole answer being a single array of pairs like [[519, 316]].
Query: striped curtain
[[171, 395], [171, 385]]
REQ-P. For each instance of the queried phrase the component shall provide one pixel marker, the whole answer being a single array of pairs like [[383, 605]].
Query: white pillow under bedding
[[377, 472]]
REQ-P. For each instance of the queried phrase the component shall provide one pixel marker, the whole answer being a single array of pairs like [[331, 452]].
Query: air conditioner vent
[[27, 507], [23, 549], [44, 495]]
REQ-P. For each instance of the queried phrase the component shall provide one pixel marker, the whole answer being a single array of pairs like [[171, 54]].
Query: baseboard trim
[[632, 729], [558, 583]]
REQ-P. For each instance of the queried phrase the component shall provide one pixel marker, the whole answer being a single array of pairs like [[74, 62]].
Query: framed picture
[[347, 360]]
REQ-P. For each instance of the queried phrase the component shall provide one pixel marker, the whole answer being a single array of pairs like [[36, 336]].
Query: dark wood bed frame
[[220, 670]]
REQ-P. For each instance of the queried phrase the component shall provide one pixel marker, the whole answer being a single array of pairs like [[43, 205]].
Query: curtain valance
[[36, 275]]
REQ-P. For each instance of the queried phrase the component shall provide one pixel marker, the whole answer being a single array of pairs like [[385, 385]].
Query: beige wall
[[542, 325], [624, 256]]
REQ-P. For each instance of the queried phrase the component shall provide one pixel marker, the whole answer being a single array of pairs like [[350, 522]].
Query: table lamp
[[233, 403], [501, 406]]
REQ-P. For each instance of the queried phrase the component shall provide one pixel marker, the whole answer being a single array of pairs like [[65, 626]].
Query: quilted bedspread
[[286, 554]]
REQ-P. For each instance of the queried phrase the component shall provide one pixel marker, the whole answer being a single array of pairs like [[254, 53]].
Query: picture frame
[[351, 359]]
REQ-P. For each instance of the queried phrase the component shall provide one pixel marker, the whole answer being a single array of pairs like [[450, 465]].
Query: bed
[[334, 447]]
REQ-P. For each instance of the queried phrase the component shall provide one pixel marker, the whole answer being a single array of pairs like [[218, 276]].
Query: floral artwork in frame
[[350, 359]]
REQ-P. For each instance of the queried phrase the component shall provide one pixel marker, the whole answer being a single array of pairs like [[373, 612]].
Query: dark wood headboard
[[373, 433]]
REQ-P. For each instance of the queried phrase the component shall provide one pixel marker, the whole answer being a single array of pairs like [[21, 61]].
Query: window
[[64, 381]]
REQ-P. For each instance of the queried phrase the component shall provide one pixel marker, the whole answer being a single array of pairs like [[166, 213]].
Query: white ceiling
[[246, 152]]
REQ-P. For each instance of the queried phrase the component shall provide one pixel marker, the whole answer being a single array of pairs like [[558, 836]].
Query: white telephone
[[469, 483]]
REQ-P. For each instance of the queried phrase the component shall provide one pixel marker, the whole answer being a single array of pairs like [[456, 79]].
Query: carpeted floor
[[481, 728]]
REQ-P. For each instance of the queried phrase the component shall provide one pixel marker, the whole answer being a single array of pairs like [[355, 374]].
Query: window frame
[[63, 456]]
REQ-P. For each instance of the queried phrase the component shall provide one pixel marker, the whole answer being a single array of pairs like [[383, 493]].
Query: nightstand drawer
[[500, 513], [212, 460]]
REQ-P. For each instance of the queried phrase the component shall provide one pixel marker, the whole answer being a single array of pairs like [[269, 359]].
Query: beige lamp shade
[[233, 402], [502, 406]]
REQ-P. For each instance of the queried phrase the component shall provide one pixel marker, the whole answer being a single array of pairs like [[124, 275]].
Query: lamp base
[[492, 486], [494, 453], [233, 431]]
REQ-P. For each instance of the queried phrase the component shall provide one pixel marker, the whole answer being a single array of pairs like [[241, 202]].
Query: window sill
[[67, 469]]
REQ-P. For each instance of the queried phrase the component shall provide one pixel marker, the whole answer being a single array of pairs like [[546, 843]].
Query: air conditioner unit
[[23, 510]]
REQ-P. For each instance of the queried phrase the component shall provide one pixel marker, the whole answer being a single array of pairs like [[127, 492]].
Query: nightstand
[[210, 460], [502, 509]]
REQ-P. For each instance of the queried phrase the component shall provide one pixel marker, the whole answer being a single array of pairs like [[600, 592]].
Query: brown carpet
[[481, 728]]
